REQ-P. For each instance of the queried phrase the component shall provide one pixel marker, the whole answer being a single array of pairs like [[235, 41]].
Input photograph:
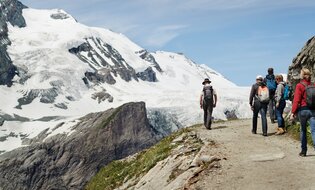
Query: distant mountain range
[[54, 70]]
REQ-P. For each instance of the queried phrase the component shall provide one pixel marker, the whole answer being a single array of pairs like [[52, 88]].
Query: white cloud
[[162, 35]]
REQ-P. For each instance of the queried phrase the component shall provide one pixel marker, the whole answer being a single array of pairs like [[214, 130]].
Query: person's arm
[[252, 95], [279, 92], [201, 100], [297, 99], [215, 100]]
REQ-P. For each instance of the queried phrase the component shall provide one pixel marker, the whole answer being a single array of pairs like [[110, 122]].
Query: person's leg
[[255, 116], [274, 108], [278, 114], [205, 114], [263, 113], [280, 120], [303, 117], [209, 118], [271, 108]]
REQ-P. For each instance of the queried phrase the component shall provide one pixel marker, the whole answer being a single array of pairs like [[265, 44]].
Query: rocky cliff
[[10, 11], [108, 63], [69, 161], [306, 58]]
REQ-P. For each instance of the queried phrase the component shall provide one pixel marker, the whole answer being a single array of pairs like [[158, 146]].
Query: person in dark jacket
[[299, 107], [258, 107], [208, 101], [270, 81]]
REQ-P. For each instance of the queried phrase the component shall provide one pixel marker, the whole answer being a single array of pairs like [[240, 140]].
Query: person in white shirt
[[208, 101]]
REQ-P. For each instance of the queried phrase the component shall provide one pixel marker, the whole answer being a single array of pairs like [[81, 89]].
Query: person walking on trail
[[301, 107], [258, 101], [280, 104], [208, 101], [272, 86]]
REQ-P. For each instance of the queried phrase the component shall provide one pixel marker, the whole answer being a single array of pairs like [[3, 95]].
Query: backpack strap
[[305, 85]]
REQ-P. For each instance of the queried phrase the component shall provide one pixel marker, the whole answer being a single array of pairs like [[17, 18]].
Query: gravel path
[[256, 162]]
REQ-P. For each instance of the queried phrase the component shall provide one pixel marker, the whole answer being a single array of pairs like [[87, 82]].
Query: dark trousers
[[279, 113], [207, 109], [272, 106], [262, 109]]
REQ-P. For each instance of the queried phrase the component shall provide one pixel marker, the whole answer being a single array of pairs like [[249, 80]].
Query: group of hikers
[[266, 93], [270, 93]]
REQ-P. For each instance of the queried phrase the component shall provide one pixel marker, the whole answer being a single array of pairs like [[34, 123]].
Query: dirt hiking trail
[[252, 161]]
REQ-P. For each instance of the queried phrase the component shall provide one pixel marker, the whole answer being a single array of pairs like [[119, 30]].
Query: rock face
[[305, 59], [68, 162], [10, 11], [108, 63], [98, 58], [144, 54], [147, 75]]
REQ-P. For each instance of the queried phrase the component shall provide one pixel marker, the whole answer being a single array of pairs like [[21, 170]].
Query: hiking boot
[[254, 132], [273, 121], [209, 128], [302, 153], [280, 131], [265, 134]]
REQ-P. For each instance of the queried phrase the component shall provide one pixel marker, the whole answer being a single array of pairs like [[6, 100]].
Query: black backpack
[[310, 95], [208, 94]]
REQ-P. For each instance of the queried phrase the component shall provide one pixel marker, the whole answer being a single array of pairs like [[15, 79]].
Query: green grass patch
[[114, 174], [106, 121]]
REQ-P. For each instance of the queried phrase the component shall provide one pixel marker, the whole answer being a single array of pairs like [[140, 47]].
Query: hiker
[[280, 104], [272, 86], [208, 101], [301, 108], [258, 101]]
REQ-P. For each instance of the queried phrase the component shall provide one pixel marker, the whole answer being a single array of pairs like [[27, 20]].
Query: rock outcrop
[[69, 161], [305, 59], [100, 55], [144, 54], [147, 75], [10, 11]]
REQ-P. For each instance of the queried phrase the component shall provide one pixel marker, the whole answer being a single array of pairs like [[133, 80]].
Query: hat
[[206, 80], [259, 77]]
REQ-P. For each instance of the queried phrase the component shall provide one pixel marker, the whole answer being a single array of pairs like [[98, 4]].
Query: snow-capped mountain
[[61, 70]]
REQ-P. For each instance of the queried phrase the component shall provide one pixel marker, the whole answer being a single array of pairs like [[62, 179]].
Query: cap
[[259, 77]]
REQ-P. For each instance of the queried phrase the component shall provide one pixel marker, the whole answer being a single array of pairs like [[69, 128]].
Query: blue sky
[[238, 38]]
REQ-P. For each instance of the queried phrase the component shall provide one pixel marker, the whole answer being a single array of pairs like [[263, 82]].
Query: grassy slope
[[114, 174]]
